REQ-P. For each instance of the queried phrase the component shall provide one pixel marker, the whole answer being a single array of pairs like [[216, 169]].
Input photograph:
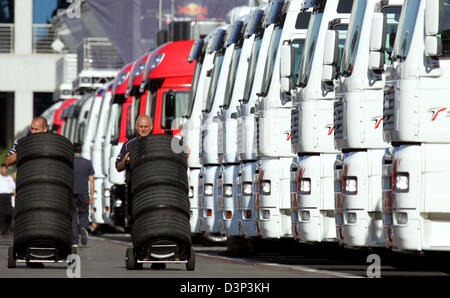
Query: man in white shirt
[[7, 188]]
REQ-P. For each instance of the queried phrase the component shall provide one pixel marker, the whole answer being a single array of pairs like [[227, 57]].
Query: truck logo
[[377, 121], [288, 135], [435, 111], [193, 10], [330, 129]]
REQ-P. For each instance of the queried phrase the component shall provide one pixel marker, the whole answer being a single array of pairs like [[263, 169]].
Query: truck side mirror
[[330, 56], [196, 50], [434, 20], [377, 41], [169, 109], [285, 85], [286, 64]]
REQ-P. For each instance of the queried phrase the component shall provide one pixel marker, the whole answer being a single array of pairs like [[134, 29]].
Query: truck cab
[[59, 119], [358, 116], [120, 131], [416, 209], [203, 52], [312, 125]]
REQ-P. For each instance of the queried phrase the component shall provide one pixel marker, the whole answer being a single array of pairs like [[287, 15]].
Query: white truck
[[273, 125], [416, 210], [236, 84], [247, 190], [102, 192], [191, 128], [228, 219], [210, 172], [312, 125], [358, 111]]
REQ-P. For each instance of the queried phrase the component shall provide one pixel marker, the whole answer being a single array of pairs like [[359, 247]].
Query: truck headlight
[[208, 190], [265, 187], [401, 217], [351, 185], [191, 192], [247, 188], [402, 182], [305, 186], [228, 190], [107, 193], [351, 218], [118, 203], [305, 215]]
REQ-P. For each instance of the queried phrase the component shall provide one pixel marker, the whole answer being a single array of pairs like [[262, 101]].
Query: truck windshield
[[271, 55], [392, 17], [231, 76], [193, 92], [342, 33], [116, 131], [446, 30], [214, 78], [406, 28], [251, 68], [354, 33], [299, 47], [151, 102], [308, 54], [180, 109]]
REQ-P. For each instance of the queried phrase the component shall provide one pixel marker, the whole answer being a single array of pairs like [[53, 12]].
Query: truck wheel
[[160, 196], [43, 227], [161, 224], [161, 172], [45, 170], [45, 145], [130, 260], [44, 196], [190, 265], [11, 258], [155, 147]]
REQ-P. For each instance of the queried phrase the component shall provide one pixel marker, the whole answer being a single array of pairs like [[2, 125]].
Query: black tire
[[161, 224], [190, 265], [11, 258], [160, 197], [44, 196], [130, 260], [155, 147], [42, 228], [45, 170], [44, 145], [160, 172]]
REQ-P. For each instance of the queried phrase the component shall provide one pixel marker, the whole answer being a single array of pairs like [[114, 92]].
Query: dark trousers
[[80, 216], [6, 213]]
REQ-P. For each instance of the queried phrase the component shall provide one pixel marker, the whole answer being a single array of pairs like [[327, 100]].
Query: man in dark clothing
[[38, 125], [83, 172], [144, 126]]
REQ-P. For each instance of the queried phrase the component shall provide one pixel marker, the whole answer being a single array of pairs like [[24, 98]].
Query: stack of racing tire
[[160, 203], [43, 211]]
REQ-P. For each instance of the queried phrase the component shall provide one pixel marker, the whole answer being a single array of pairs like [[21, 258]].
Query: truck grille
[[240, 146], [294, 125], [388, 110], [256, 134], [338, 119], [220, 148]]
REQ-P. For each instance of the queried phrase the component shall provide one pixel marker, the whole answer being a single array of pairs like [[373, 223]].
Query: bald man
[[144, 126], [38, 125]]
